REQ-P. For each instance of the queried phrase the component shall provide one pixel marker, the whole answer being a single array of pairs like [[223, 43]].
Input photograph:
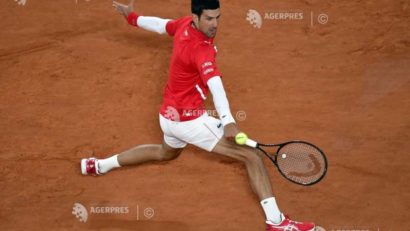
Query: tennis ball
[[241, 138]]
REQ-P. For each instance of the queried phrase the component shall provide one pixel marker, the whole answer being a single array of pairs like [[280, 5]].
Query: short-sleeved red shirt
[[192, 65]]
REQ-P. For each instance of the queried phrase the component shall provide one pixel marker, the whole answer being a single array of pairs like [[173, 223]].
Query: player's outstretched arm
[[153, 24]]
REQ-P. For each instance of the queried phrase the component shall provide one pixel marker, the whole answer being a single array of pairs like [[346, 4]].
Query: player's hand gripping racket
[[298, 161]]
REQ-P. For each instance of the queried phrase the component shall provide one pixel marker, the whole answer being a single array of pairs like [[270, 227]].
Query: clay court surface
[[77, 81]]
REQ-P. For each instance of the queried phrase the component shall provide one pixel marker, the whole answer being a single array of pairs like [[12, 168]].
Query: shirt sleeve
[[153, 24], [221, 102], [205, 62], [173, 25]]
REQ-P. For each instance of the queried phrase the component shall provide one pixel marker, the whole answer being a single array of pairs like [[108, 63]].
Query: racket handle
[[251, 143]]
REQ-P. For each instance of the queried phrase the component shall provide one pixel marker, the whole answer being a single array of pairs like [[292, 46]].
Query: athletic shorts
[[203, 132]]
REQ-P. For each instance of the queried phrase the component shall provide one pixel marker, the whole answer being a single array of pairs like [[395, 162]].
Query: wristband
[[132, 18]]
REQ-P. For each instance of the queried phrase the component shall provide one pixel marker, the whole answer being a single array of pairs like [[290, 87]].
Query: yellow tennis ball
[[241, 138]]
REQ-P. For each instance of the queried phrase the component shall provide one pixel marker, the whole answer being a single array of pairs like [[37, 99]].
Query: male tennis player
[[193, 73]]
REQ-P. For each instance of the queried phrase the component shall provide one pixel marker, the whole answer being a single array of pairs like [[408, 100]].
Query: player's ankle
[[106, 165]]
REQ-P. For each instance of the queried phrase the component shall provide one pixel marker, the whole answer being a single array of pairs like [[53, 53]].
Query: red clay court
[[77, 81]]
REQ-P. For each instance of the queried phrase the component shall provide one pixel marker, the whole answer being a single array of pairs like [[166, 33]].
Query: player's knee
[[170, 155], [253, 157]]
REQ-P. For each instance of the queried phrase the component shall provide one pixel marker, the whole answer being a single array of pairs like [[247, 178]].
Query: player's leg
[[258, 176], [170, 149], [257, 173], [139, 155], [207, 133], [147, 153], [134, 156]]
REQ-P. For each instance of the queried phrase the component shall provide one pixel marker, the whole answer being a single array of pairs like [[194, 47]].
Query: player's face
[[208, 22]]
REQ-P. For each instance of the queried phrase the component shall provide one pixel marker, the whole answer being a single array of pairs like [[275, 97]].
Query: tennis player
[[193, 73]]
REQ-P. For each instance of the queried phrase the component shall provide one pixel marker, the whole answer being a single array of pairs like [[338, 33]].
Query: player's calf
[[134, 156]]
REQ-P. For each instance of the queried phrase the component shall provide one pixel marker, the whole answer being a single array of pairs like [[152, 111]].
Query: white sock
[[271, 209], [108, 164]]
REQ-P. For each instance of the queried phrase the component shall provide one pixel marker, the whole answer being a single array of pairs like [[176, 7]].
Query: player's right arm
[[153, 24], [222, 107], [210, 75]]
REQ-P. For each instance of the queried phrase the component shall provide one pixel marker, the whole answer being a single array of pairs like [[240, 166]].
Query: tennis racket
[[298, 161]]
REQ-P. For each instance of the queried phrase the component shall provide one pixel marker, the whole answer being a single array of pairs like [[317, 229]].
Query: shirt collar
[[198, 34]]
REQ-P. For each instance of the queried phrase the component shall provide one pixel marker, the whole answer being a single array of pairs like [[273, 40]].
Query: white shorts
[[203, 132]]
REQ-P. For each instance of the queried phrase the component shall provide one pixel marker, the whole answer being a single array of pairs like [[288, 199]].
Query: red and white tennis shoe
[[90, 166], [288, 225]]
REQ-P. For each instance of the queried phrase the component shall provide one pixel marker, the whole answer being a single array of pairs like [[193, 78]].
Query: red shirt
[[192, 65]]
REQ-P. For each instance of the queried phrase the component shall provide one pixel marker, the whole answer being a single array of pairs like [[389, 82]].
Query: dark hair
[[197, 6]]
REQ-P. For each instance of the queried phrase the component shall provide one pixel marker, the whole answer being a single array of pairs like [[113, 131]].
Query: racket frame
[[274, 157]]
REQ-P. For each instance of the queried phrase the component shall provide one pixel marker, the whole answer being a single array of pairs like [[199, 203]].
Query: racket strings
[[301, 162]]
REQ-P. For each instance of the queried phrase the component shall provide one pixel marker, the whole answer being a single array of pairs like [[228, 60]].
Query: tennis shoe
[[90, 166], [289, 225]]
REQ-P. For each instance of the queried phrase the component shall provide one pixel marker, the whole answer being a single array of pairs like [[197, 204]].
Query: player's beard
[[211, 33]]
